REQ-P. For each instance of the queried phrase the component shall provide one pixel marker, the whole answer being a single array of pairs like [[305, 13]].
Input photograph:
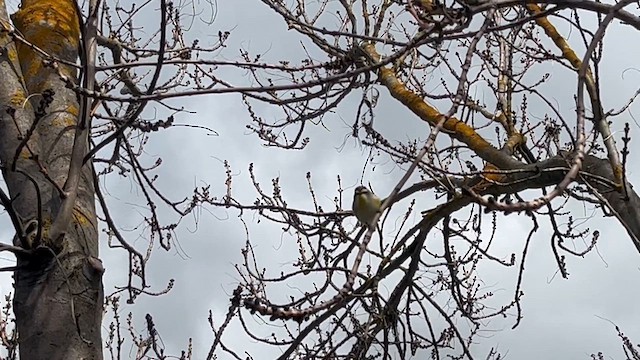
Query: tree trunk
[[58, 296]]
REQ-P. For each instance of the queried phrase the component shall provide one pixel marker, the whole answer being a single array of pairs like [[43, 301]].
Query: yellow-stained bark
[[554, 35], [51, 25], [452, 126], [58, 301], [492, 174], [569, 54]]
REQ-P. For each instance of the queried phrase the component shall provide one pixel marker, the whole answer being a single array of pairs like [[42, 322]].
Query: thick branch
[[596, 173], [452, 126]]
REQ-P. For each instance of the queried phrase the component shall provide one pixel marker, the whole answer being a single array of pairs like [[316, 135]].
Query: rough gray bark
[[58, 296], [596, 173], [625, 204]]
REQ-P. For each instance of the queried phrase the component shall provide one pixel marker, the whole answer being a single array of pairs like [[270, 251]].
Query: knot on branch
[[47, 99], [148, 126], [35, 266], [262, 307], [93, 269], [434, 14], [357, 57]]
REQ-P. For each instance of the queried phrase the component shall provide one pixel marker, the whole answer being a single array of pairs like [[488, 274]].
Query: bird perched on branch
[[365, 205]]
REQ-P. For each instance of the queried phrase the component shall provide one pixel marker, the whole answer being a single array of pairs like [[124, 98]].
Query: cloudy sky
[[563, 318]]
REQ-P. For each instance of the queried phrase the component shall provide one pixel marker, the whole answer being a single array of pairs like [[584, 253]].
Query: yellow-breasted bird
[[365, 205]]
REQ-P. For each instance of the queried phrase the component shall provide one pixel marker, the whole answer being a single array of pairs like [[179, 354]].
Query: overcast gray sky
[[563, 319]]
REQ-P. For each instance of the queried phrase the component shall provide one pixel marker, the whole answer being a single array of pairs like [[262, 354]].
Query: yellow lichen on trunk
[[52, 26]]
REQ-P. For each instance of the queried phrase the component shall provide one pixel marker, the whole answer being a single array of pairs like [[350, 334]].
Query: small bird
[[365, 205]]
